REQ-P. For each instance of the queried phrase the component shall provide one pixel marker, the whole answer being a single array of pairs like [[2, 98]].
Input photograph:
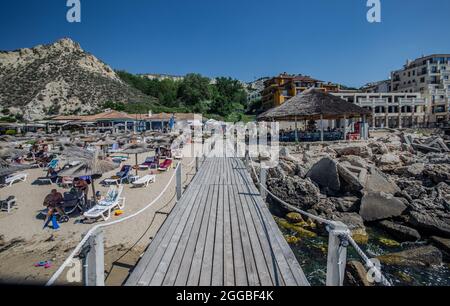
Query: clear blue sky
[[328, 39]]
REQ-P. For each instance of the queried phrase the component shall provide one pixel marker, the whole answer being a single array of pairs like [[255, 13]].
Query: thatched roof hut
[[314, 104]]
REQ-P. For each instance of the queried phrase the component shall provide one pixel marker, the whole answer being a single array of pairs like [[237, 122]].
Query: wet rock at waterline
[[400, 232], [378, 206], [443, 244], [356, 275], [423, 256], [430, 224]]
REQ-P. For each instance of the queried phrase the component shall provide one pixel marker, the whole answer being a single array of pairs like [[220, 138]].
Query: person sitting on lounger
[[53, 201], [82, 186]]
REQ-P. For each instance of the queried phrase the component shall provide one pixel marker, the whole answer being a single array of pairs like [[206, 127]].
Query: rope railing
[[96, 228], [342, 233]]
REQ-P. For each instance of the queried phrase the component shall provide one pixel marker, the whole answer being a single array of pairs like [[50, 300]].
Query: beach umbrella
[[89, 165], [11, 152], [6, 168], [136, 149]]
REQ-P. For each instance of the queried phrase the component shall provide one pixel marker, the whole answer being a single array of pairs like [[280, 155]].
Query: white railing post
[[262, 182], [337, 253], [94, 270], [247, 162], [179, 187]]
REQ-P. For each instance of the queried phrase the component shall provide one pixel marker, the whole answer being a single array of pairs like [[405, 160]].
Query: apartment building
[[281, 88], [390, 110], [429, 76]]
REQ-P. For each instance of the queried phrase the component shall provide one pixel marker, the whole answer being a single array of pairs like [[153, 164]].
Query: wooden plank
[[193, 279], [206, 269], [181, 263], [218, 259], [190, 233], [238, 249], [172, 235], [264, 247], [257, 251], [279, 244], [159, 237], [228, 242], [252, 271]]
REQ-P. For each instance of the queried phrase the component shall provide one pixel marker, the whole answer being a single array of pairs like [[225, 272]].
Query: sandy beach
[[23, 242]]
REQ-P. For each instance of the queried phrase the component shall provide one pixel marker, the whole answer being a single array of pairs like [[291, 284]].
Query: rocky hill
[[60, 78]]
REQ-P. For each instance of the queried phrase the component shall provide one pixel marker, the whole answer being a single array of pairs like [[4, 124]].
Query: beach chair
[[53, 164], [10, 180], [178, 155], [103, 208], [7, 204], [146, 180], [165, 165], [149, 163], [120, 177]]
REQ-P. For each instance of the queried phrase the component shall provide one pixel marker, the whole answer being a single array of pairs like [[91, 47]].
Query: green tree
[[194, 89]]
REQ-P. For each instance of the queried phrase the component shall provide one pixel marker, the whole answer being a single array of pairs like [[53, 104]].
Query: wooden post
[[196, 163], [95, 261], [345, 127], [262, 182], [337, 254], [247, 158], [321, 128], [296, 130], [179, 187]]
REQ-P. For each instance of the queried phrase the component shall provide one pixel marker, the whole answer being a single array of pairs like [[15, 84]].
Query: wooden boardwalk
[[219, 234]]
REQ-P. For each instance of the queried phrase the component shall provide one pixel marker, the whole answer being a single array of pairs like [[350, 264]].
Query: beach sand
[[23, 242]]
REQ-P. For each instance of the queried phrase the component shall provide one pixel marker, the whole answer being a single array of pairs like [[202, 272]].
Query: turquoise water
[[312, 256]]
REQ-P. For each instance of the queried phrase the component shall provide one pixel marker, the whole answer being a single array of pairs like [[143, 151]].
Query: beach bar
[[338, 119]]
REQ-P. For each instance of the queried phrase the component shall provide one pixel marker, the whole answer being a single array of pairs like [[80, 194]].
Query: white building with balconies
[[430, 76], [390, 110]]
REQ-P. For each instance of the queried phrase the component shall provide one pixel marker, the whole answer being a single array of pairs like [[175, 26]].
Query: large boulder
[[429, 224], [438, 173], [379, 205], [422, 257], [357, 150], [356, 275], [399, 232], [353, 178], [378, 182], [325, 174], [355, 224], [355, 161], [443, 244], [346, 204], [295, 190]]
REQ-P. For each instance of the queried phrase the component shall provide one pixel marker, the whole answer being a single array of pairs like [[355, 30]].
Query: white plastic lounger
[[104, 207], [146, 180], [16, 178]]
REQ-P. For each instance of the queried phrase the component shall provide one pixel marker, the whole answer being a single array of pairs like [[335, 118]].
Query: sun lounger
[[120, 177], [7, 204], [146, 180], [165, 165], [150, 163], [53, 164], [103, 208], [16, 178], [177, 155]]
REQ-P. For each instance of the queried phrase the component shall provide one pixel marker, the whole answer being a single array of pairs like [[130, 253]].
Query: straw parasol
[[12, 153], [135, 149], [7, 168], [314, 104], [90, 165]]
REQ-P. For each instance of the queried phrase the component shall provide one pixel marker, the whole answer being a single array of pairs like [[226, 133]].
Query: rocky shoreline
[[399, 183]]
